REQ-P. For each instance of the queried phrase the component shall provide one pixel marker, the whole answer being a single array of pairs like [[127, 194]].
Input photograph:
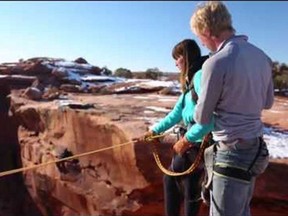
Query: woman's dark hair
[[191, 53]]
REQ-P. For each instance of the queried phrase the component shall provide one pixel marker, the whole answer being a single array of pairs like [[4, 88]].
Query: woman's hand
[[182, 145], [145, 136]]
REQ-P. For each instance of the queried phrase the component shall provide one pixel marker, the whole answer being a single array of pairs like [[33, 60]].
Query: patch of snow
[[69, 64], [137, 80], [64, 102], [73, 76], [157, 83], [78, 70], [131, 88], [18, 76], [276, 142], [142, 97], [167, 99], [158, 109], [148, 112], [92, 78]]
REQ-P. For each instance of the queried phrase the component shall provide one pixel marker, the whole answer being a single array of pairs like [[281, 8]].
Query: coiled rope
[[155, 154], [193, 166]]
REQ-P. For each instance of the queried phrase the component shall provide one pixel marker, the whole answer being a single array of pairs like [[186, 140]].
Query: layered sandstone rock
[[107, 183]]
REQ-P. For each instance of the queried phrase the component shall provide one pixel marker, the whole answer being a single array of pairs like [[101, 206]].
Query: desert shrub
[[106, 71], [153, 73], [281, 82], [123, 72]]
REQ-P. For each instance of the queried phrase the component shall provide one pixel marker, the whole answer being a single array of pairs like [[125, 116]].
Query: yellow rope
[[155, 154], [10, 172]]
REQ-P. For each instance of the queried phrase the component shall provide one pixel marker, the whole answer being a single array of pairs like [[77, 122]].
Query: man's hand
[[182, 145]]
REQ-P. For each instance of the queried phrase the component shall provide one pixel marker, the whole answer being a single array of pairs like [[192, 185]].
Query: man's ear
[[213, 37], [206, 33]]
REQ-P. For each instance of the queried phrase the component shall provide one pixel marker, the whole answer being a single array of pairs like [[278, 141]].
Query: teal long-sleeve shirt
[[197, 131]]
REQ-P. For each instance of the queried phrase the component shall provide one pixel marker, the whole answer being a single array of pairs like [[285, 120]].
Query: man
[[236, 86]]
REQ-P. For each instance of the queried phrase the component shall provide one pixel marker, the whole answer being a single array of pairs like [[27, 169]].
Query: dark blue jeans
[[187, 188]]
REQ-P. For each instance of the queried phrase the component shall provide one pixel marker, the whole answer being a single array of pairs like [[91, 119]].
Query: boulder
[[80, 60], [33, 93]]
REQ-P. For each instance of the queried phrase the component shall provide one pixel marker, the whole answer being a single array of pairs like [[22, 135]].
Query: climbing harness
[[257, 166]]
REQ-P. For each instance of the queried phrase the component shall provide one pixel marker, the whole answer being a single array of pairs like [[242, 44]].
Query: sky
[[136, 35]]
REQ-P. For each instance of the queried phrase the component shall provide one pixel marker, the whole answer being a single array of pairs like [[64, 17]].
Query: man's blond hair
[[212, 16]]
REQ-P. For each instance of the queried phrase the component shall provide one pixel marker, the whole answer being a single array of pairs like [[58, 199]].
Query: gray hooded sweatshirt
[[236, 86]]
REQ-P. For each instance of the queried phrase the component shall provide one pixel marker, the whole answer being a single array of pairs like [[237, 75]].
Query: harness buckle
[[180, 131]]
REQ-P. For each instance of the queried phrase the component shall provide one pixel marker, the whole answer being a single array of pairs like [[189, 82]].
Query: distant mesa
[[45, 78]]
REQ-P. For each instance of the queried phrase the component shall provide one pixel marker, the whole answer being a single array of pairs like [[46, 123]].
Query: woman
[[188, 59]]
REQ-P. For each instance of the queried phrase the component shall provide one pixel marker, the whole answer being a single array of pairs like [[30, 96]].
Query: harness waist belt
[[233, 172]]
